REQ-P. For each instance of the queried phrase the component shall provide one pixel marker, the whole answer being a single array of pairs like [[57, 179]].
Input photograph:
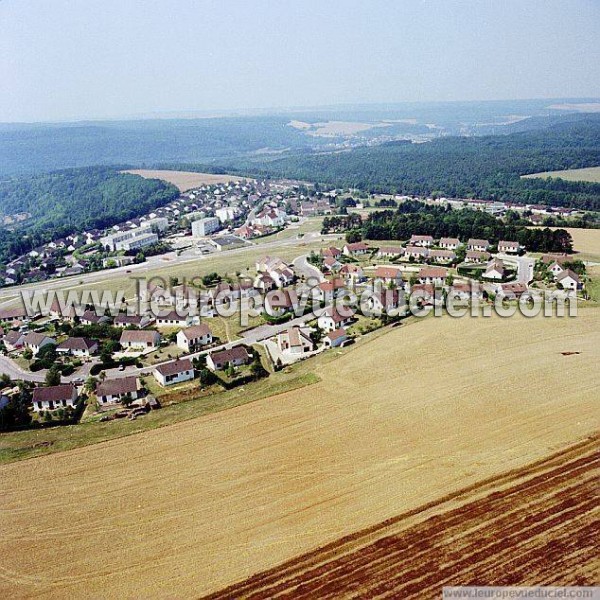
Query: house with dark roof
[[335, 338], [13, 340], [36, 341], [569, 280], [111, 391], [78, 346], [193, 338], [333, 318], [236, 356], [176, 371], [140, 340], [55, 396]]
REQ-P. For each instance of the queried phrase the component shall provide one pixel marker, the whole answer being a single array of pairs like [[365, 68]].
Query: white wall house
[[53, 397], [111, 391], [174, 372], [193, 338]]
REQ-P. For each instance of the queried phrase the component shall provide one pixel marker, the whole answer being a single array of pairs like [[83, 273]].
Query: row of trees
[[417, 218]]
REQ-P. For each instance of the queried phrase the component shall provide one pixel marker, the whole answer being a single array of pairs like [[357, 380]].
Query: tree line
[[417, 218]]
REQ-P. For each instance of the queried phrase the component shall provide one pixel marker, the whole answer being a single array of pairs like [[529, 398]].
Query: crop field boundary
[[321, 568]]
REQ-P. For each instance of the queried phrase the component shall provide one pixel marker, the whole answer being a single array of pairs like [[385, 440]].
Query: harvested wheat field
[[534, 526], [185, 180], [397, 422]]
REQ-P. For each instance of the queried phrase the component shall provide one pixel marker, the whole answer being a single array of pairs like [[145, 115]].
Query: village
[[84, 362]]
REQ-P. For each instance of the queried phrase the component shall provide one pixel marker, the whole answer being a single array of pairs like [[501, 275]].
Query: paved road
[[9, 367], [303, 267], [8, 296], [525, 266]]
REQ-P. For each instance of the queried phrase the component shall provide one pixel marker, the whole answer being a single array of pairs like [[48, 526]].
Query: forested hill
[[486, 167], [72, 200], [46, 147]]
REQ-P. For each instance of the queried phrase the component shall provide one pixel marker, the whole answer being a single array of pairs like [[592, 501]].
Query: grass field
[[396, 422], [185, 180], [589, 174]]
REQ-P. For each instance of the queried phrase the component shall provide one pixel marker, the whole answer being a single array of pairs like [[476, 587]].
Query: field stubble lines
[[563, 486]]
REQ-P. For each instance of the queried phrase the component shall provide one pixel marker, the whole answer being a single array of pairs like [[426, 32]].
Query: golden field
[[184, 180], [591, 174], [396, 422]]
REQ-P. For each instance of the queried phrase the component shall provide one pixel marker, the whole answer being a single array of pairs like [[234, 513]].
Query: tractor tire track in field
[[537, 525]]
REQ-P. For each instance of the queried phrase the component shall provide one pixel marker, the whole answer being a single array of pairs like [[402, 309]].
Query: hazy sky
[[73, 59]]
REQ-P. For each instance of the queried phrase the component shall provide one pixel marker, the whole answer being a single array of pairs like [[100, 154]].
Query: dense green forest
[[38, 147], [73, 200], [422, 219], [487, 167], [48, 147]]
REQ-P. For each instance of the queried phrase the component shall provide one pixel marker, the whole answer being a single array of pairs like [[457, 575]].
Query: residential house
[[331, 264], [279, 302], [449, 243], [352, 273], [494, 269], [14, 314], [330, 289], [267, 263], [390, 252], [176, 371], [282, 276], [355, 249], [569, 280], [90, 317], [433, 275], [172, 318], [480, 245], [416, 252], [551, 258], [111, 391], [421, 240], [335, 338], [466, 291], [476, 256], [193, 338], [332, 251], [442, 256], [264, 282], [295, 341], [556, 269], [13, 340], [236, 356], [388, 275], [78, 346], [424, 292], [140, 339], [55, 396], [383, 301], [36, 341], [513, 288], [332, 318], [508, 247], [139, 321]]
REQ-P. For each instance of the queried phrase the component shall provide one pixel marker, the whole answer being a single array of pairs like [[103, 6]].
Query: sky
[[87, 59]]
